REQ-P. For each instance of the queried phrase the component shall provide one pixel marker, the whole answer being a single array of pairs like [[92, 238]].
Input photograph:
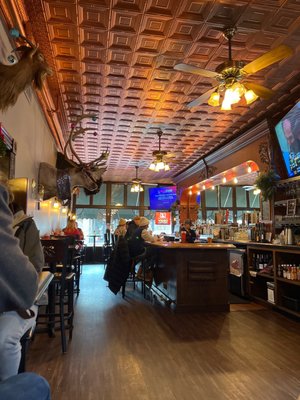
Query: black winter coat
[[118, 266]]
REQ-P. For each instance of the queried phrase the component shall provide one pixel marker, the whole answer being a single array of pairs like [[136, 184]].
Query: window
[[92, 221], [117, 195], [241, 197], [146, 195], [99, 199], [253, 199], [226, 196], [133, 198], [211, 198], [82, 199]]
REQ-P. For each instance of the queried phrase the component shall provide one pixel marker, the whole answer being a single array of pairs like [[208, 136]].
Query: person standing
[[190, 233]]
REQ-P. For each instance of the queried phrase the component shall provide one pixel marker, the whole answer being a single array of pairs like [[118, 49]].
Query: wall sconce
[[224, 180], [213, 187], [235, 180], [190, 192], [203, 187]]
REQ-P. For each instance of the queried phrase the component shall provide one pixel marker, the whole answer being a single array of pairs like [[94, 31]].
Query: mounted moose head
[[88, 175], [14, 79]]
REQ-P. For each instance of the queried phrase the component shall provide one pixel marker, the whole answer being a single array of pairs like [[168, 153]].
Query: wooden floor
[[132, 349]]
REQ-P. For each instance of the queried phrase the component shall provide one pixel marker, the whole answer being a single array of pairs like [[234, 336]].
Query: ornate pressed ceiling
[[115, 58]]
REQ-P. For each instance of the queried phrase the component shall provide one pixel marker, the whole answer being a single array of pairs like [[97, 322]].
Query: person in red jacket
[[72, 230]]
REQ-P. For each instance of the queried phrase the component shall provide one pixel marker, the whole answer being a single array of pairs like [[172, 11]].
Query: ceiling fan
[[231, 73], [137, 183], [160, 157]]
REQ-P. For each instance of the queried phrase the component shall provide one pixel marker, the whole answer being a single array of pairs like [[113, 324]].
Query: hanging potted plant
[[266, 182]]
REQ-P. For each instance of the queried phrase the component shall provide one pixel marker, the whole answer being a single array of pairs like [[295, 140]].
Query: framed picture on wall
[[291, 207]]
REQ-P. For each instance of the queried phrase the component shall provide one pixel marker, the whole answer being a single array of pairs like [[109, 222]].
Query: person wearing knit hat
[[121, 228], [144, 222], [137, 247]]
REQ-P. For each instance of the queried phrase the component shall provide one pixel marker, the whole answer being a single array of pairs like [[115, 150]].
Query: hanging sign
[[162, 218]]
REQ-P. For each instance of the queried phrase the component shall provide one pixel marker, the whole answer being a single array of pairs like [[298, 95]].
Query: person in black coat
[[118, 266], [132, 227]]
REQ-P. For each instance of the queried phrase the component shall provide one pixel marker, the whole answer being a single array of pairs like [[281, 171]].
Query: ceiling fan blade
[[205, 96], [259, 90], [174, 154], [195, 70], [149, 184], [271, 57]]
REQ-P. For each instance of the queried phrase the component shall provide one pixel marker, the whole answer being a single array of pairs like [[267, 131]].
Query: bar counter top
[[249, 243], [192, 246]]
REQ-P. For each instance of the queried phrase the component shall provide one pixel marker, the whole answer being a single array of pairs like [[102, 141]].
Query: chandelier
[[159, 163], [136, 185], [233, 92]]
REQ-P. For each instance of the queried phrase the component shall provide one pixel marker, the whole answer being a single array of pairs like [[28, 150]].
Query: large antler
[[78, 130]]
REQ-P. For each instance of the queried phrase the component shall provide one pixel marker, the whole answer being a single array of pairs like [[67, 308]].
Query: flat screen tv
[[162, 198], [288, 135]]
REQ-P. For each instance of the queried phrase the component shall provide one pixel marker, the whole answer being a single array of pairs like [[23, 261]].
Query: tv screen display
[[288, 135], [162, 198]]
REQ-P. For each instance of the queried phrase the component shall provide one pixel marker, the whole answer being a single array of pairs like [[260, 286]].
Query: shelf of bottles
[[260, 273], [288, 281]]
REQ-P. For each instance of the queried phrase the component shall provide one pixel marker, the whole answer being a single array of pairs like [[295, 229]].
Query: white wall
[[26, 123]]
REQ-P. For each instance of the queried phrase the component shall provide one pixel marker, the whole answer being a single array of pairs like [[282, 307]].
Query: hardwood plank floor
[[132, 349]]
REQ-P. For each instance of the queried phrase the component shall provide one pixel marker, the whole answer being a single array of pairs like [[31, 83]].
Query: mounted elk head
[[88, 175], [14, 79]]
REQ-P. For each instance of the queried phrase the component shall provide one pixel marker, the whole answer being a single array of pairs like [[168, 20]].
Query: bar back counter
[[192, 276]]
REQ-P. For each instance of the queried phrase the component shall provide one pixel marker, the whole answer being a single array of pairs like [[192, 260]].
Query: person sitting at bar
[[190, 233], [14, 324], [72, 230], [132, 226], [121, 228], [137, 247], [18, 288]]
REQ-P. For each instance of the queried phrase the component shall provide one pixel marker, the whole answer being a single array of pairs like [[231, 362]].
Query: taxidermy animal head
[[73, 172], [14, 79]]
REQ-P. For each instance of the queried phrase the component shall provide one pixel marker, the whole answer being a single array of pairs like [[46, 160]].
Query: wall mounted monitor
[[288, 135], [162, 198]]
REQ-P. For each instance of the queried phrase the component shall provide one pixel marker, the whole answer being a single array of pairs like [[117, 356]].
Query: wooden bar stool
[[60, 309]]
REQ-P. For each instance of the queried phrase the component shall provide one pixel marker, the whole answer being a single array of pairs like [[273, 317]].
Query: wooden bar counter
[[192, 276]]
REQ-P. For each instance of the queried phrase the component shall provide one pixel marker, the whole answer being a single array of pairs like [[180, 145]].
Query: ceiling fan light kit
[[229, 74], [136, 185], [158, 163]]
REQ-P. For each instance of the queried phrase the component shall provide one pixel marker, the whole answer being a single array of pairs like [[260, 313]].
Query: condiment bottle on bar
[[183, 236]]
